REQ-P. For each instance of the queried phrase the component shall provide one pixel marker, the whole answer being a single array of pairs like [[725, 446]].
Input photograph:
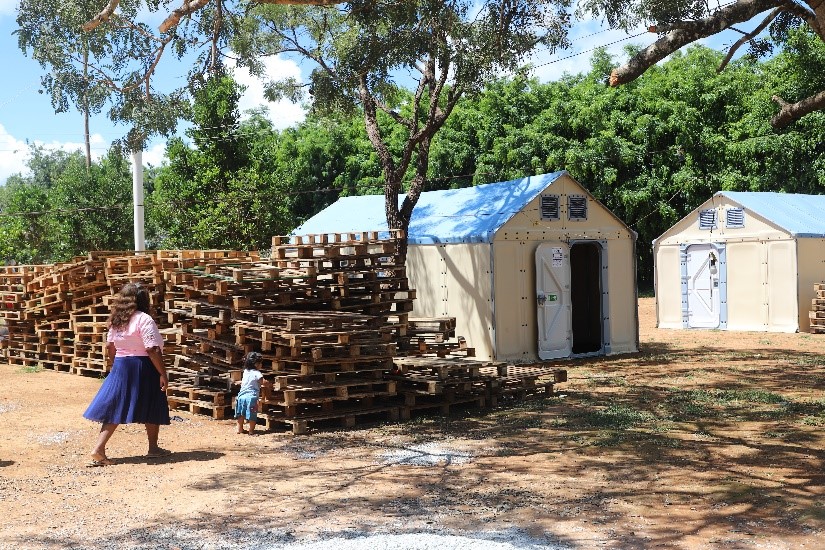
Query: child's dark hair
[[252, 358]]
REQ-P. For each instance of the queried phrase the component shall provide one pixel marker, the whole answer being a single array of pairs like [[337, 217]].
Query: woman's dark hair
[[132, 297], [252, 358]]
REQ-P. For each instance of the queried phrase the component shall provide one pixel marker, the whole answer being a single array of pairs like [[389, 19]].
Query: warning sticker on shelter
[[557, 256]]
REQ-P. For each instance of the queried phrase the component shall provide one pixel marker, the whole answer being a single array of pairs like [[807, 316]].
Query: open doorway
[[586, 297]]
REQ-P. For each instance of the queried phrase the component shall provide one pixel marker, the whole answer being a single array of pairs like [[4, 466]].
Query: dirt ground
[[705, 439]]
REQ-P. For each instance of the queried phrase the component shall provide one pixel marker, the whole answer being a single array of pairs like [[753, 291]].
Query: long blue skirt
[[130, 394]]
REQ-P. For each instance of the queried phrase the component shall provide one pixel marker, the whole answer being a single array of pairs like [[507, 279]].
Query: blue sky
[[26, 115]]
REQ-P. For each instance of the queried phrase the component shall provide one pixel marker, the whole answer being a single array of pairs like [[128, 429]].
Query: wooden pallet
[[216, 412]]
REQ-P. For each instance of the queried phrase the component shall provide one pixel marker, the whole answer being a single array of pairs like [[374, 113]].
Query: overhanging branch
[[686, 32], [748, 36], [103, 16], [191, 6], [790, 112]]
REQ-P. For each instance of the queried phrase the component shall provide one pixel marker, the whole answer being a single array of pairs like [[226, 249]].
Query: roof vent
[[707, 219], [549, 207], [576, 207], [734, 218]]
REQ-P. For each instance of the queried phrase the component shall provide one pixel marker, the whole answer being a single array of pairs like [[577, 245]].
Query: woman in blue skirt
[[135, 389]]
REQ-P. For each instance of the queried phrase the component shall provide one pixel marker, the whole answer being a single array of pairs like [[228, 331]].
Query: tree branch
[[685, 32], [188, 8], [790, 112], [191, 6], [748, 36], [103, 16]]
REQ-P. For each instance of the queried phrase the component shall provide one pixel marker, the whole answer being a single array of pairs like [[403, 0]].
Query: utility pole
[[137, 199]]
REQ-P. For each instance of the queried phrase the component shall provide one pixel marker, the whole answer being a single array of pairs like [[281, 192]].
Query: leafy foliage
[[222, 193], [60, 210]]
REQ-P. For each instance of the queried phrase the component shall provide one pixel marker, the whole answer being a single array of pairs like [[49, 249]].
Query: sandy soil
[[705, 439]]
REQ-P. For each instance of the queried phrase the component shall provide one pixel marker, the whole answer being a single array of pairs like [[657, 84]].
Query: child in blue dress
[[246, 404]]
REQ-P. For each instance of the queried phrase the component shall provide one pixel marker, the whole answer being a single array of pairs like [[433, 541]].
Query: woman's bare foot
[[100, 459]]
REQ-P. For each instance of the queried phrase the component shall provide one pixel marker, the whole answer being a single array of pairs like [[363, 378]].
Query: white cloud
[[8, 7], [155, 155], [283, 113], [14, 153]]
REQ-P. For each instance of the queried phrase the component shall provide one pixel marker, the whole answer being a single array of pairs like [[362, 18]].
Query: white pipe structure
[[137, 199]]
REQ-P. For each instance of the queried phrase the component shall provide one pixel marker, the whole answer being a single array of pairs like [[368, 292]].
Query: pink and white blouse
[[139, 335]]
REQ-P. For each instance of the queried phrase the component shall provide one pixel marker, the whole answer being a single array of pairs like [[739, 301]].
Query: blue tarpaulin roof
[[800, 215], [471, 214]]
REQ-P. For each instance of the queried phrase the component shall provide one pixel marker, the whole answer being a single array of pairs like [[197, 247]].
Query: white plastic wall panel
[[687, 229], [470, 294], [623, 299], [516, 335], [427, 273], [528, 225], [810, 263], [747, 286], [667, 281], [783, 307]]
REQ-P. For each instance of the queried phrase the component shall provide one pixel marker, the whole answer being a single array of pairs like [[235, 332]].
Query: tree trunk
[[86, 137]]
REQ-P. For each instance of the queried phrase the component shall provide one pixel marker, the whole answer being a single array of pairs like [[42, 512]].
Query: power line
[[64, 210]]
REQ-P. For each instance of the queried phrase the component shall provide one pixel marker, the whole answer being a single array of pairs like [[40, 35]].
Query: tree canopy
[[678, 24]]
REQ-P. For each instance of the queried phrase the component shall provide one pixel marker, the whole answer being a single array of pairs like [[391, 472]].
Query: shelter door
[[553, 304], [703, 292]]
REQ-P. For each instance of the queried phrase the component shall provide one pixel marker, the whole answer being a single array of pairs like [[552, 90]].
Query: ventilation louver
[[549, 207], [735, 217], [707, 219], [576, 207]]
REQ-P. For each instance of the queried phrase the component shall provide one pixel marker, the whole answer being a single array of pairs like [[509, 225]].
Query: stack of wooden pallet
[[439, 383], [21, 343], [326, 365], [520, 380], [817, 314], [199, 306], [76, 286], [330, 343], [325, 311], [434, 337]]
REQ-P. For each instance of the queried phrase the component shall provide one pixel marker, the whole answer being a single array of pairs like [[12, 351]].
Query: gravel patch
[[9, 406], [182, 538], [56, 438], [426, 454]]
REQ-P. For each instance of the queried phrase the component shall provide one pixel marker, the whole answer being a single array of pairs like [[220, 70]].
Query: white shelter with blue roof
[[742, 261], [534, 268]]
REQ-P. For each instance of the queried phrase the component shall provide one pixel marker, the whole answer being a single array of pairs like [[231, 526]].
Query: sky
[[27, 117]]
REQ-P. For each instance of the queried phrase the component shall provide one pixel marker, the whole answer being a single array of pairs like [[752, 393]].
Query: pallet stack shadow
[[817, 313]]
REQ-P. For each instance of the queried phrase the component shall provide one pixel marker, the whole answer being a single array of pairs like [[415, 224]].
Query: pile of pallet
[[817, 314], [326, 312], [21, 344], [329, 313], [198, 307], [434, 337]]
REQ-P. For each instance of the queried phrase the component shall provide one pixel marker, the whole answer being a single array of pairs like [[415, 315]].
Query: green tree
[[450, 48], [219, 194], [678, 24], [60, 209]]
